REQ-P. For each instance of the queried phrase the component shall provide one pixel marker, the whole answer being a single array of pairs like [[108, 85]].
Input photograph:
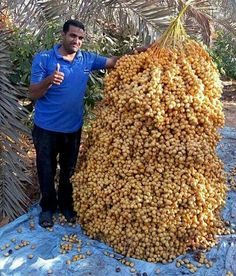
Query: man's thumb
[[58, 67]]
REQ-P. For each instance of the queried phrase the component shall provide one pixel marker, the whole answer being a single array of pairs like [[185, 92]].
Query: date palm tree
[[144, 18]]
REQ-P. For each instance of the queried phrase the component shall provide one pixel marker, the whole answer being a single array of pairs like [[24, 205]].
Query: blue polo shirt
[[61, 108]]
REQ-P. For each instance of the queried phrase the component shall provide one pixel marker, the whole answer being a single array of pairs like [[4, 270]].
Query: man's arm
[[111, 62], [38, 90]]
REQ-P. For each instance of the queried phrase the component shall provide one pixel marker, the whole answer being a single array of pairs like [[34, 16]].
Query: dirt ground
[[229, 102]]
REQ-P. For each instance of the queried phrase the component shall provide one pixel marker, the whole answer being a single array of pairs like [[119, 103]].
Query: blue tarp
[[48, 259]]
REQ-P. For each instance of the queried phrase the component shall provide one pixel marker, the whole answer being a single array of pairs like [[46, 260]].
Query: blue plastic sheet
[[48, 259]]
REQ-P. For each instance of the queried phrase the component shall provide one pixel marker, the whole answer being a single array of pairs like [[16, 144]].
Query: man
[[58, 84]]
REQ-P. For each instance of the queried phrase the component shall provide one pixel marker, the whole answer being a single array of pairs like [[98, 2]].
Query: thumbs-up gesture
[[57, 76]]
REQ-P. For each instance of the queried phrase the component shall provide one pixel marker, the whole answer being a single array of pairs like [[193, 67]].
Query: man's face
[[72, 40]]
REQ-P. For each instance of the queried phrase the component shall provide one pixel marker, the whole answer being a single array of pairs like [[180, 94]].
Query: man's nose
[[76, 39]]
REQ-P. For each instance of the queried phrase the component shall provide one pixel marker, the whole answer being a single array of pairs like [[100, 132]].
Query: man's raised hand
[[57, 76]]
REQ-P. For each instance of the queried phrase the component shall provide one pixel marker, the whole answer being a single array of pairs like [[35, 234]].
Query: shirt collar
[[59, 56]]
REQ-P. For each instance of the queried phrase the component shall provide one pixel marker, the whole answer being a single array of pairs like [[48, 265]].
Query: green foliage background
[[224, 54], [25, 45]]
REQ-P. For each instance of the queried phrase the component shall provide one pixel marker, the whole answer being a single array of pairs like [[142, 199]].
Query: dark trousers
[[49, 145]]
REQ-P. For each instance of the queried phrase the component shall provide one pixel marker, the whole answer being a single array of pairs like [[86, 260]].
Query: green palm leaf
[[13, 164]]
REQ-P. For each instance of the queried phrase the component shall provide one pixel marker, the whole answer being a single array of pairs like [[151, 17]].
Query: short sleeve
[[38, 71], [99, 62]]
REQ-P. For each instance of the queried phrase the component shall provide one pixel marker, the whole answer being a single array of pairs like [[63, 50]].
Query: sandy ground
[[229, 102]]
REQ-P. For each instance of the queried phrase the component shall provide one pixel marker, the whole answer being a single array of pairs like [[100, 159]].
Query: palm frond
[[22, 13], [146, 18], [224, 15], [13, 164], [228, 25], [198, 15]]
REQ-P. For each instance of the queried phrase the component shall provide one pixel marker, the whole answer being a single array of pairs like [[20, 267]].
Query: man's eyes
[[79, 37]]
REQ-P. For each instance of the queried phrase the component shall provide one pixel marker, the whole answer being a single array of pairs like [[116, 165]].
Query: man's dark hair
[[72, 22]]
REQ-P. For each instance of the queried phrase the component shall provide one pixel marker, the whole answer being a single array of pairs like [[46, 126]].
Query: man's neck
[[65, 55]]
